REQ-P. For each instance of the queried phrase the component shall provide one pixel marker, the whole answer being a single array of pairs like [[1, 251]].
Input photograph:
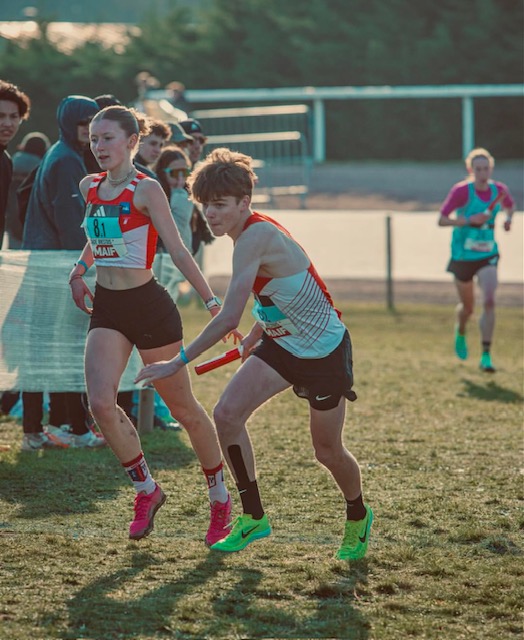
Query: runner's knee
[[103, 409], [224, 416]]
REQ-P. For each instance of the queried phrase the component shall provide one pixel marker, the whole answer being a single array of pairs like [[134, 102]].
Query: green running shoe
[[356, 537], [245, 530], [461, 347], [486, 364]]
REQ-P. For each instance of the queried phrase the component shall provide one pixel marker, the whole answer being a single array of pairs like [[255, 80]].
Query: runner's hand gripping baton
[[219, 361], [495, 202]]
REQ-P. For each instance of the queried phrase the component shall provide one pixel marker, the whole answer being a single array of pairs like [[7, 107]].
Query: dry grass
[[440, 449]]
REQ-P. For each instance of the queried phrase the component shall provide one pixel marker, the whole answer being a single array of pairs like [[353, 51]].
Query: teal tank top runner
[[475, 243]]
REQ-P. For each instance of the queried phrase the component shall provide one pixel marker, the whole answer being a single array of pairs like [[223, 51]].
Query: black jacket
[[6, 174]]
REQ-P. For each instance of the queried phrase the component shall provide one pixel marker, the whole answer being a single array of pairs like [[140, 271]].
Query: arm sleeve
[[508, 202], [457, 197]]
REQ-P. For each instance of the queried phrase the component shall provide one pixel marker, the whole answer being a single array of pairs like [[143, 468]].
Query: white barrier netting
[[42, 332]]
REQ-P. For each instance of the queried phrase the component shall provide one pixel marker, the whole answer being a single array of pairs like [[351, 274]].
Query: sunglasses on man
[[177, 173]]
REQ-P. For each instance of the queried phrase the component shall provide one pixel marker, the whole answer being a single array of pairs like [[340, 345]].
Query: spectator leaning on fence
[[474, 251], [14, 109]]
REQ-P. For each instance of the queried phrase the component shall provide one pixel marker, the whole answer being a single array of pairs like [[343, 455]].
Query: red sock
[[215, 483], [140, 475]]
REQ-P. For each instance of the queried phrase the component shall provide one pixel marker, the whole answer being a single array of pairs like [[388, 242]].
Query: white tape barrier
[[42, 332]]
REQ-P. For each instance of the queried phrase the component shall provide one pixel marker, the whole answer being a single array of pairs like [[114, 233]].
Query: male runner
[[297, 340]]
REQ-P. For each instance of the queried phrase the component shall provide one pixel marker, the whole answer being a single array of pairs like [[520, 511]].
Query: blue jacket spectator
[[56, 207]]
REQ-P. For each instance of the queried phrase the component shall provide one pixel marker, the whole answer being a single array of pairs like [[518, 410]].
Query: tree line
[[269, 43]]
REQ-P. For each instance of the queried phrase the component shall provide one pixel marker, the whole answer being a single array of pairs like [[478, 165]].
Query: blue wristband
[[83, 264], [183, 356]]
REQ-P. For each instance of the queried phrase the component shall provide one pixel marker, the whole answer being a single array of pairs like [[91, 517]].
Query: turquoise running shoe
[[356, 537], [461, 347], [245, 530], [485, 363]]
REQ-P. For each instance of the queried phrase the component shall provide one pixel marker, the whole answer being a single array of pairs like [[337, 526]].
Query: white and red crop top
[[296, 311], [119, 234]]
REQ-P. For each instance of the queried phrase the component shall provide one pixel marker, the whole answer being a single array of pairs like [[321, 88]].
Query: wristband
[[212, 303], [83, 264], [182, 354]]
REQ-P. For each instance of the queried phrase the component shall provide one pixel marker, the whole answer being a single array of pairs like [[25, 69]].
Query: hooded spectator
[[56, 207]]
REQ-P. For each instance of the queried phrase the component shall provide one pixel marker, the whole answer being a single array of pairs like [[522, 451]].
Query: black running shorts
[[464, 270], [322, 381], [145, 315]]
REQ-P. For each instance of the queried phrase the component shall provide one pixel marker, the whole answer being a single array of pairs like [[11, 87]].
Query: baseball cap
[[191, 126], [178, 134]]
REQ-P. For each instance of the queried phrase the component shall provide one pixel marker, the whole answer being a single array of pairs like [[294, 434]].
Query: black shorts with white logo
[[145, 315], [464, 270], [322, 381]]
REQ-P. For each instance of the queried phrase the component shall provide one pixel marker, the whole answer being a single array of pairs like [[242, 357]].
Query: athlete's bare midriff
[[120, 278]]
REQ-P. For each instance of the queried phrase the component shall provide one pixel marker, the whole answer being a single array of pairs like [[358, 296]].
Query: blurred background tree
[[269, 43]]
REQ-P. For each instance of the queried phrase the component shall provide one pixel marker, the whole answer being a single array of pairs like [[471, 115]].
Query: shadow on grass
[[72, 481], [104, 609], [489, 392]]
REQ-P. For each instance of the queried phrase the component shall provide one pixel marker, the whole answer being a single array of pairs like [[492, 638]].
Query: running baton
[[219, 361], [495, 202]]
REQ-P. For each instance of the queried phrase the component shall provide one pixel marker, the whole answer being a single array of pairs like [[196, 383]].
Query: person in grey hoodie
[[53, 221]]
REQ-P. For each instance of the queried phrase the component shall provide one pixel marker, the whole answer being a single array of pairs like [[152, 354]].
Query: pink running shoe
[[220, 524], [145, 508]]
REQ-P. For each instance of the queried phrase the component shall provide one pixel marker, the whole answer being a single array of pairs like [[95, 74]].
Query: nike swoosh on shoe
[[246, 533], [363, 538]]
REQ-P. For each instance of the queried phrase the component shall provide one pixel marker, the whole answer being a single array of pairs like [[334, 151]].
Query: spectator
[[179, 136], [28, 156], [144, 81], [106, 100], [199, 228], [54, 217], [15, 106], [194, 129], [172, 169], [150, 146], [177, 98], [14, 109]]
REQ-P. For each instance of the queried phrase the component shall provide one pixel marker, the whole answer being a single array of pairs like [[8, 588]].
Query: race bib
[[102, 226], [482, 246], [273, 321]]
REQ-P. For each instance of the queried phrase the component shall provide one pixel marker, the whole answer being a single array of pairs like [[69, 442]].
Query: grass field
[[440, 446]]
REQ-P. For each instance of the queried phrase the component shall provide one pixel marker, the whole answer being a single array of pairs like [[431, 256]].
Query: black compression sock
[[250, 497], [355, 509]]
